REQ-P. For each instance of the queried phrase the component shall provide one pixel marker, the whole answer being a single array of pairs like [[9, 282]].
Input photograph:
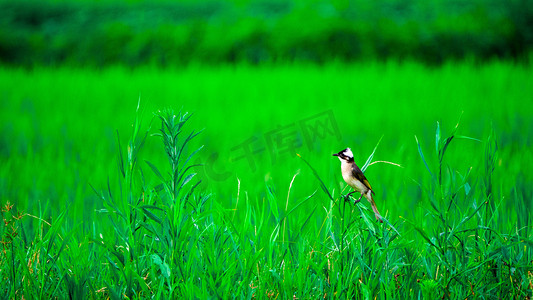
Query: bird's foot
[[346, 197], [358, 200]]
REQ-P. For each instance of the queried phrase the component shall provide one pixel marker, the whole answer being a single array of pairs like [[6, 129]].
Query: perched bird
[[355, 178]]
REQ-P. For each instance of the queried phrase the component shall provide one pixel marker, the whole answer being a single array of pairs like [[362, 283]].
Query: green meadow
[[104, 194]]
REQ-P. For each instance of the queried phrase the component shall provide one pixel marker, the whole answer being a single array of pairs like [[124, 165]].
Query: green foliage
[[462, 237], [177, 33], [458, 211]]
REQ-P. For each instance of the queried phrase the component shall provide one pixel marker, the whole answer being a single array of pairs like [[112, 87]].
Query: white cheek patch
[[348, 152]]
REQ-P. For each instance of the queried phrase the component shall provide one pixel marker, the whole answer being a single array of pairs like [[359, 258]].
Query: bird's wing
[[357, 173]]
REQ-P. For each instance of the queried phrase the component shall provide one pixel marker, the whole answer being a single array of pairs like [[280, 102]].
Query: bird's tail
[[368, 197]]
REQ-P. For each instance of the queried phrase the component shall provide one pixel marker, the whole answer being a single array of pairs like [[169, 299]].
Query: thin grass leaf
[[445, 146], [185, 142], [300, 203], [424, 235], [458, 122], [120, 162], [58, 285], [65, 239], [155, 170], [273, 203], [369, 159], [111, 200], [190, 156], [369, 224], [424, 159], [136, 120], [463, 137], [118, 229], [149, 214], [390, 225], [98, 194], [437, 138], [187, 179], [305, 222], [322, 185], [140, 144], [466, 219], [191, 191]]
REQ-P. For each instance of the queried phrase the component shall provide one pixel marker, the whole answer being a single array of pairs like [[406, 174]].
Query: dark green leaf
[[121, 158], [423, 159], [155, 170], [322, 185]]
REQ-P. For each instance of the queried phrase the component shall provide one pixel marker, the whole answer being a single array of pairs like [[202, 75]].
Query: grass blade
[[121, 158], [424, 159], [369, 160], [155, 170], [322, 185]]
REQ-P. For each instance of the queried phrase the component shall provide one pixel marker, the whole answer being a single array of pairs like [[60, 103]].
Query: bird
[[355, 178]]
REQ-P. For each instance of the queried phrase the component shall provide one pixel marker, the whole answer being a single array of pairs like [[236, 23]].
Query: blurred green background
[[252, 71], [265, 80], [177, 33]]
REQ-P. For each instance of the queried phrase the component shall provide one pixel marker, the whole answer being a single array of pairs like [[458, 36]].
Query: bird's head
[[345, 155]]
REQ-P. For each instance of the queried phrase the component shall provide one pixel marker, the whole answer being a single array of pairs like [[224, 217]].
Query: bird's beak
[[335, 154]]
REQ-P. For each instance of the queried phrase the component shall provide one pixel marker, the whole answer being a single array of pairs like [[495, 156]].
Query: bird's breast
[[351, 180]]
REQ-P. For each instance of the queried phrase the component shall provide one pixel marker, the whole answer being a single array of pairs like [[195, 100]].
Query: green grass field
[[269, 224]]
